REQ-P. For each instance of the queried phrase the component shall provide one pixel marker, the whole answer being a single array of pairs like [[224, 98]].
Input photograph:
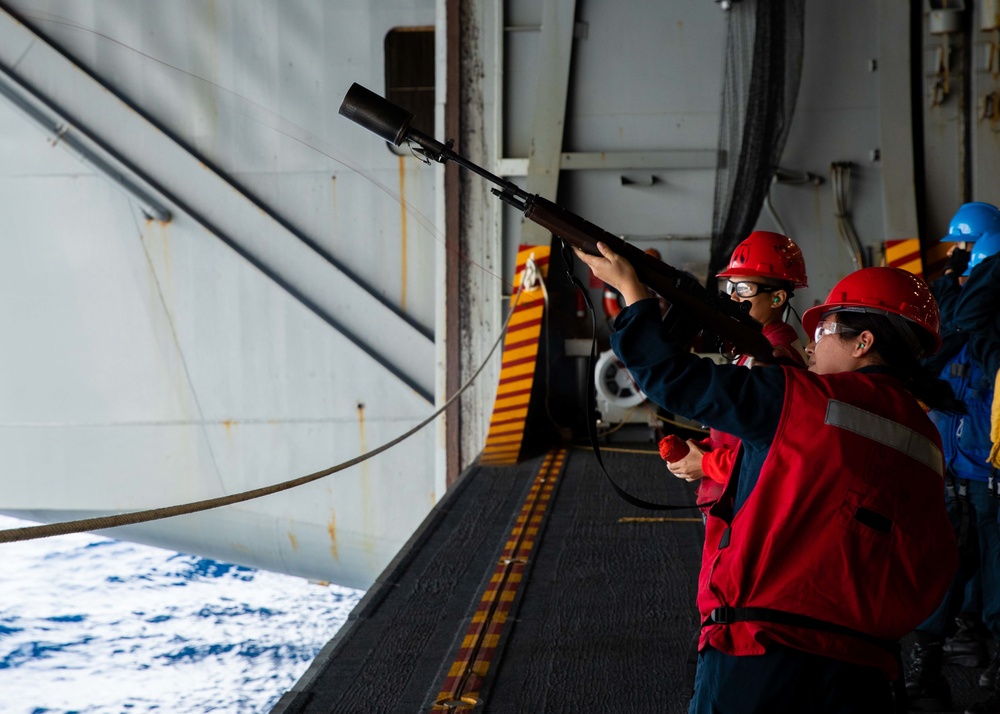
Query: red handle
[[673, 448]]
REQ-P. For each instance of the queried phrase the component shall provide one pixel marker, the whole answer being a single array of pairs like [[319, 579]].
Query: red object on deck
[[611, 305], [672, 448]]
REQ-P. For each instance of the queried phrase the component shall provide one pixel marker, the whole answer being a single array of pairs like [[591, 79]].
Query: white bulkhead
[[211, 282]]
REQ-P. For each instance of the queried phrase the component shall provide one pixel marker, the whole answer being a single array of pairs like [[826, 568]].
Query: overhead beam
[[620, 161], [549, 119]]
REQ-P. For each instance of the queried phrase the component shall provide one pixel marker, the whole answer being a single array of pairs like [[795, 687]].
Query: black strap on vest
[[968, 544], [728, 615], [592, 400]]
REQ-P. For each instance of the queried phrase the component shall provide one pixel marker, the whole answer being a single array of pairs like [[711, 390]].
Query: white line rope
[[111, 521]]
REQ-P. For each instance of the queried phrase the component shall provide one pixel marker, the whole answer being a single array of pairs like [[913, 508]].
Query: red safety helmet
[[881, 291], [764, 254]]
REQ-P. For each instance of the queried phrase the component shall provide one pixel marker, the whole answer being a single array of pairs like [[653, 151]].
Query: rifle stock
[[719, 314]]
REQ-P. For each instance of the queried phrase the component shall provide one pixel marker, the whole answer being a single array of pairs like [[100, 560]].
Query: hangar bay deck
[[532, 588]]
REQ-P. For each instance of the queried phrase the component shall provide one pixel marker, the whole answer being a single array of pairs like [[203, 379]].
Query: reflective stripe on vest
[[885, 431]]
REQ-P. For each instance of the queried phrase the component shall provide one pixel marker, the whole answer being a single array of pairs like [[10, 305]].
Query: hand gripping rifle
[[713, 311]]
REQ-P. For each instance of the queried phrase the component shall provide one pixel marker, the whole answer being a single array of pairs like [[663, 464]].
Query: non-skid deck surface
[[599, 619]]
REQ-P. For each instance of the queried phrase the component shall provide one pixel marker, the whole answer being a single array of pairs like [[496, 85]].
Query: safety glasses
[[745, 288], [830, 328]]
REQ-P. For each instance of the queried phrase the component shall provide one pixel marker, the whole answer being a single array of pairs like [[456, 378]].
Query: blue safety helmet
[[971, 221], [987, 245]]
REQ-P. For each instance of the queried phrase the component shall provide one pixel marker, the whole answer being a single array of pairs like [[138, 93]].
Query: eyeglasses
[[745, 288], [830, 328]]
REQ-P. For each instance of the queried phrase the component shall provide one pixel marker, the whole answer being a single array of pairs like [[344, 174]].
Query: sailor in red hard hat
[[764, 271], [831, 540]]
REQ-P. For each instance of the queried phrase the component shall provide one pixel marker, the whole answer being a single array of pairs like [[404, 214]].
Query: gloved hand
[[958, 261]]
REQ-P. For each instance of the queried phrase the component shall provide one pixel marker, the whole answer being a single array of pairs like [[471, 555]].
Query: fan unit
[[618, 398]]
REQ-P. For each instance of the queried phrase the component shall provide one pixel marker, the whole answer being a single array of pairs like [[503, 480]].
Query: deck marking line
[[465, 678]]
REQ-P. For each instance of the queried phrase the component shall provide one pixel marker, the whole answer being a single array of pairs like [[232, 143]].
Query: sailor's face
[[832, 349], [760, 301]]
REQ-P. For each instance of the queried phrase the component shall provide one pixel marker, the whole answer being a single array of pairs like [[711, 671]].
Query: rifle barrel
[[392, 123]]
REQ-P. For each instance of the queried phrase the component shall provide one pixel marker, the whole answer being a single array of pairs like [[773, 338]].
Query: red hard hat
[[881, 291], [764, 254]]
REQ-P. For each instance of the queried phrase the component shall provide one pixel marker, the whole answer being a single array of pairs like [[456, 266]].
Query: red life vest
[[717, 463], [846, 524]]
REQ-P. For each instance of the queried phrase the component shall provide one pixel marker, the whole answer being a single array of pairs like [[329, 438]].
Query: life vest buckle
[[723, 615]]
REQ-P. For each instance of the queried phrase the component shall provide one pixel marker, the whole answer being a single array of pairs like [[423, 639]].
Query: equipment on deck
[[619, 400]]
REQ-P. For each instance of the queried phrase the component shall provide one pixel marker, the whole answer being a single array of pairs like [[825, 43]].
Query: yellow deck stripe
[[466, 675]]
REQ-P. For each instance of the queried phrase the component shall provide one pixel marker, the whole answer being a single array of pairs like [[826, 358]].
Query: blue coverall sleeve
[[978, 307], [744, 402], [946, 291]]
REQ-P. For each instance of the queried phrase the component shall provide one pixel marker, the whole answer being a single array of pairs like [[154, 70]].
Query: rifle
[[714, 311]]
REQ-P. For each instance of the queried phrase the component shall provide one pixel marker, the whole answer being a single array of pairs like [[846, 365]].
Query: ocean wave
[[90, 625]]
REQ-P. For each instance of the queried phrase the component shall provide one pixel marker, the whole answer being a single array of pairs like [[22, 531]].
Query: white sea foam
[[90, 625]]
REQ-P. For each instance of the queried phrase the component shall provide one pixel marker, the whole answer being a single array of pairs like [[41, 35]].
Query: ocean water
[[89, 624]]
